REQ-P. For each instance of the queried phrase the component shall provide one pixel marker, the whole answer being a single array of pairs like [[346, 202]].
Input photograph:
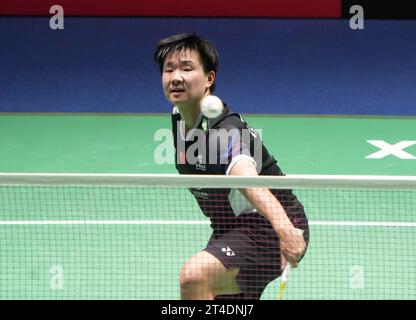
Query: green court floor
[[372, 258]]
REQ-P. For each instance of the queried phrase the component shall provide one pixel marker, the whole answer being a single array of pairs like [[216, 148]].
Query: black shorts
[[255, 251]]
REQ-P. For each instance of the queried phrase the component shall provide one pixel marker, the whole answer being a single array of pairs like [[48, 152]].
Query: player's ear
[[210, 78]]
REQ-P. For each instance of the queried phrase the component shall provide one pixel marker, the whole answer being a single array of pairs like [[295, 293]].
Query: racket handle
[[286, 272], [283, 280], [288, 267]]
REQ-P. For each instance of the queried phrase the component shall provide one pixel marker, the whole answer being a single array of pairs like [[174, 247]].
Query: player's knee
[[192, 276]]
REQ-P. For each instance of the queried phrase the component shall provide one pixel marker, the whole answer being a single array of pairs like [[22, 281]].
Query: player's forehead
[[184, 56]]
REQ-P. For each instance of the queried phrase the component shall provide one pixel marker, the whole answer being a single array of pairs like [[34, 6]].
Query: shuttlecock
[[211, 106]]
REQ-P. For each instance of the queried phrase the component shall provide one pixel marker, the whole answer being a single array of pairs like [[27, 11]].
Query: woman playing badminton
[[255, 231]]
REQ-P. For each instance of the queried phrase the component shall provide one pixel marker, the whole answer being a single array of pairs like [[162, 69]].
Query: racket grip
[[288, 267], [286, 272]]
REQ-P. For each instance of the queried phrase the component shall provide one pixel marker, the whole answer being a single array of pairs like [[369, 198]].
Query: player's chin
[[179, 101], [178, 95]]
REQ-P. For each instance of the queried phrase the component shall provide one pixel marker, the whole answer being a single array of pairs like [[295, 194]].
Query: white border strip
[[211, 181], [194, 222]]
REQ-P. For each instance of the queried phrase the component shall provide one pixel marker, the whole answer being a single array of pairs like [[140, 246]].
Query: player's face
[[183, 78]]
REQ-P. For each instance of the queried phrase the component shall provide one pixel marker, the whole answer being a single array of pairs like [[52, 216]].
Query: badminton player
[[253, 230]]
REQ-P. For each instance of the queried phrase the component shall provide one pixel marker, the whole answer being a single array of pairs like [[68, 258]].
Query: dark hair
[[192, 41]]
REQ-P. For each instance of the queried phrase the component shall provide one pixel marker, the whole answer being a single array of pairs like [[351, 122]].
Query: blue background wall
[[284, 66]]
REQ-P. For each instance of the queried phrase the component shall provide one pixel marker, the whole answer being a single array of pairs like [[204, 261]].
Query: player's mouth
[[177, 93], [177, 90]]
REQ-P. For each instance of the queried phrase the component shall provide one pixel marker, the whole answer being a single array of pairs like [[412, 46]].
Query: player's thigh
[[204, 267]]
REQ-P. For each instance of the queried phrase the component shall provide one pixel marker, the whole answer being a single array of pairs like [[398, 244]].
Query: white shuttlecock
[[211, 106]]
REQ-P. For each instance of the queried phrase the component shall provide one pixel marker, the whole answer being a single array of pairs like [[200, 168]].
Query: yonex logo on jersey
[[200, 165], [228, 252]]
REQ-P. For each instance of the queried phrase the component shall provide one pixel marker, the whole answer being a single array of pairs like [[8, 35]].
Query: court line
[[195, 222]]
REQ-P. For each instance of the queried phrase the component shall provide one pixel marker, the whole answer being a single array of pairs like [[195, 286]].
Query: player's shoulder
[[229, 120]]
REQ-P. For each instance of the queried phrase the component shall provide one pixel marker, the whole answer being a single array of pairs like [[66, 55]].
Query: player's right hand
[[292, 245]]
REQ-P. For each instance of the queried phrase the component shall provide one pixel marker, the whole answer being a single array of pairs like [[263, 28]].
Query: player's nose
[[177, 76]]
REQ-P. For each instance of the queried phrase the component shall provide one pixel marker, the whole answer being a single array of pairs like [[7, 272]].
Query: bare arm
[[292, 243]]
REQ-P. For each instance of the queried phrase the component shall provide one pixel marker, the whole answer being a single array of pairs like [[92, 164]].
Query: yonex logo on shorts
[[228, 251]]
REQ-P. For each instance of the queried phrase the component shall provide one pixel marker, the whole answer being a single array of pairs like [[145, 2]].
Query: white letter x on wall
[[388, 149]]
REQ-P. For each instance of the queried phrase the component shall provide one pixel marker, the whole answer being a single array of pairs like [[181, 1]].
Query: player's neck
[[189, 115]]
